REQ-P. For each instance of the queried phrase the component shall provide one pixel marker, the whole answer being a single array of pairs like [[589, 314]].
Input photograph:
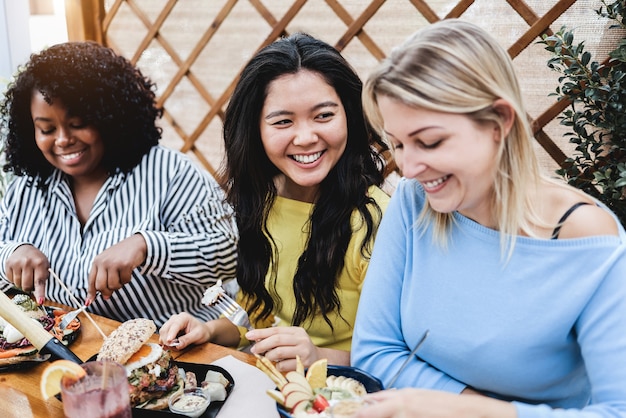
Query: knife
[[43, 341]]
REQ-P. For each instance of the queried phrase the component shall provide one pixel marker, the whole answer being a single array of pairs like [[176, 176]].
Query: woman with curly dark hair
[[303, 175], [97, 200]]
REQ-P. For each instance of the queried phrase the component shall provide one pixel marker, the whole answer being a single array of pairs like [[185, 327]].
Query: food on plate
[[14, 348], [52, 375], [320, 403], [311, 394], [191, 381], [212, 294], [192, 402], [346, 383], [152, 375], [346, 408], [214, 384], [216, 377], [316, 375]]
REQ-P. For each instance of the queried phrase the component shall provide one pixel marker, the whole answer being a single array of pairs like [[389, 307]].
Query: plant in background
[[597, 114]]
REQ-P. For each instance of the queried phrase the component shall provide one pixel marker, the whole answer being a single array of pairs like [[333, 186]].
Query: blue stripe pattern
[[175, 205]]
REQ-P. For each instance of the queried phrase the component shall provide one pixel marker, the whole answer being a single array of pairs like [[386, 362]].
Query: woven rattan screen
[[194, 49]]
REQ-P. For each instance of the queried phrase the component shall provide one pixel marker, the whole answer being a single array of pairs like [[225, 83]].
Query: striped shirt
[[177, 207]]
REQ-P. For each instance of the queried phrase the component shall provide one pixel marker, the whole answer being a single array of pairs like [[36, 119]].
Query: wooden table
[[20, 396]]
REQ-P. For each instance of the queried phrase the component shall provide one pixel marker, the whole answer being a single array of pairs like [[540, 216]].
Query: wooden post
[[84, 20]]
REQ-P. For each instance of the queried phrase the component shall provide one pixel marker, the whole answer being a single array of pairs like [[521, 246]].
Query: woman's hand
[[282, 344], [113, 267], [185, 329], [420, 403], [27, 269]]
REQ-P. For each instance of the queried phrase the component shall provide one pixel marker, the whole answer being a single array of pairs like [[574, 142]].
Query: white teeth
[[307, 159], [70, 156], [435, 183]]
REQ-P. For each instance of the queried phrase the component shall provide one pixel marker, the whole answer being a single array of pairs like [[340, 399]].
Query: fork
[[70, 316], [233, 311], [406, 362]]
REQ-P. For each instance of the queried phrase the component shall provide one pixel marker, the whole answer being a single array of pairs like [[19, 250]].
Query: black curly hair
[[252, 191], [94, 84]]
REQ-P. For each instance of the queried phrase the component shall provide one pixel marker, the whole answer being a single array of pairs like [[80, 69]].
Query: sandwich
[[152, 375], [15, 348]]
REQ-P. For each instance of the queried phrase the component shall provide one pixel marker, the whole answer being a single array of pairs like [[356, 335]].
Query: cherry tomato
[[320, 403]]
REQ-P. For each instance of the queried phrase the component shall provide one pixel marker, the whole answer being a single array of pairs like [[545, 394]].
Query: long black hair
[[93, 83], [251, 188]]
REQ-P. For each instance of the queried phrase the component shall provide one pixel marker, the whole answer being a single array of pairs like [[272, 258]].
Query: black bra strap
[[557, 230]]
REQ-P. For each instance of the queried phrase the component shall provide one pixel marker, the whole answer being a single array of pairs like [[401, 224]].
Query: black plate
[[200, 371], [68, 339], [371, 383]]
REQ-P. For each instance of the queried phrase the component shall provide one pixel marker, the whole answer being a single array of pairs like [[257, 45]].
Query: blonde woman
[[520, 279]]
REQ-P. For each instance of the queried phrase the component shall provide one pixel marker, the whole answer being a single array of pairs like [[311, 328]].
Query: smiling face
[[304, 131], [67, 144], [452, 156]]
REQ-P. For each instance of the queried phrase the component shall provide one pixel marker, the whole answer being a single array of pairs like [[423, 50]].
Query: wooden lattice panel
[[195, 49]]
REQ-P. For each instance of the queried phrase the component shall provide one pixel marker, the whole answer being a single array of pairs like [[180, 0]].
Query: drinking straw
[[76, 301], [103, 384]]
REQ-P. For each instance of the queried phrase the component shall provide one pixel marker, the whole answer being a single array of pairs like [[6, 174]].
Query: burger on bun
[[152, 375]]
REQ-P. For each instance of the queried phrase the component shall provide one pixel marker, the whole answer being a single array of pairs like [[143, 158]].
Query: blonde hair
[[454, 66]]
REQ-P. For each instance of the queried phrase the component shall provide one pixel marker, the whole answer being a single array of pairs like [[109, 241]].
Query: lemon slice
[[316, 375], [51, 377]]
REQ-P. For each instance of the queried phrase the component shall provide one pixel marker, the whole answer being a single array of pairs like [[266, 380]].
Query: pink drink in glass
[[102, 393]]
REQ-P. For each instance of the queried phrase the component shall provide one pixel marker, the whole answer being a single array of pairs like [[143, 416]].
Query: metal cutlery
[[406, 362], [43, 341], [231, 310], [228, 307], [58, 279], [70, 316]]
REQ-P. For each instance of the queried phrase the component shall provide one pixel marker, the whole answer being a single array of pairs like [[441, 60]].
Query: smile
[[435, 183], [70, 156], [307, 159]]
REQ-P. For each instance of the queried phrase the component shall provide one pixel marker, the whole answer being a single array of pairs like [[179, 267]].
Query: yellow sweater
[[287, 223]]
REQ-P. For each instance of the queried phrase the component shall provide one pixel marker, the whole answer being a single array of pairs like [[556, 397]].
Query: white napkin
[[248, 398]]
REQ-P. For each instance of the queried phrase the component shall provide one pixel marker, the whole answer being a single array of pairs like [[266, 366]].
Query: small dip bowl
[[192, 402]]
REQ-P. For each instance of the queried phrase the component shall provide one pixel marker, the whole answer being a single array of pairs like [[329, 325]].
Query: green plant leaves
[[597, 113]]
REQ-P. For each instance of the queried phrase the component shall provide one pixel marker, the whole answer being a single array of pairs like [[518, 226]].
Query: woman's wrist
[[337, 357], [209, 331], [221, 331], [485, 407]]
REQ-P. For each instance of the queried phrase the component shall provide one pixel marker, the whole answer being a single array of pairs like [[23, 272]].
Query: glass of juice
[[101, 393]]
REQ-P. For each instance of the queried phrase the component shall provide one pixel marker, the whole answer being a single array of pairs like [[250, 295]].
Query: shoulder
[[586, 220], [21, 186], [161, 153], [589, 220], [409, 195], [164, 159], [379, 196], [375, 209]]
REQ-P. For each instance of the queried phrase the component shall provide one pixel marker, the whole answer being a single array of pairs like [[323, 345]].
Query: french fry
[[299, 365], [269, 373], [269, 369]]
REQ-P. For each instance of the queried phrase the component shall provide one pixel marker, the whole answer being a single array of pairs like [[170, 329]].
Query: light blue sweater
[[547, 329]]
